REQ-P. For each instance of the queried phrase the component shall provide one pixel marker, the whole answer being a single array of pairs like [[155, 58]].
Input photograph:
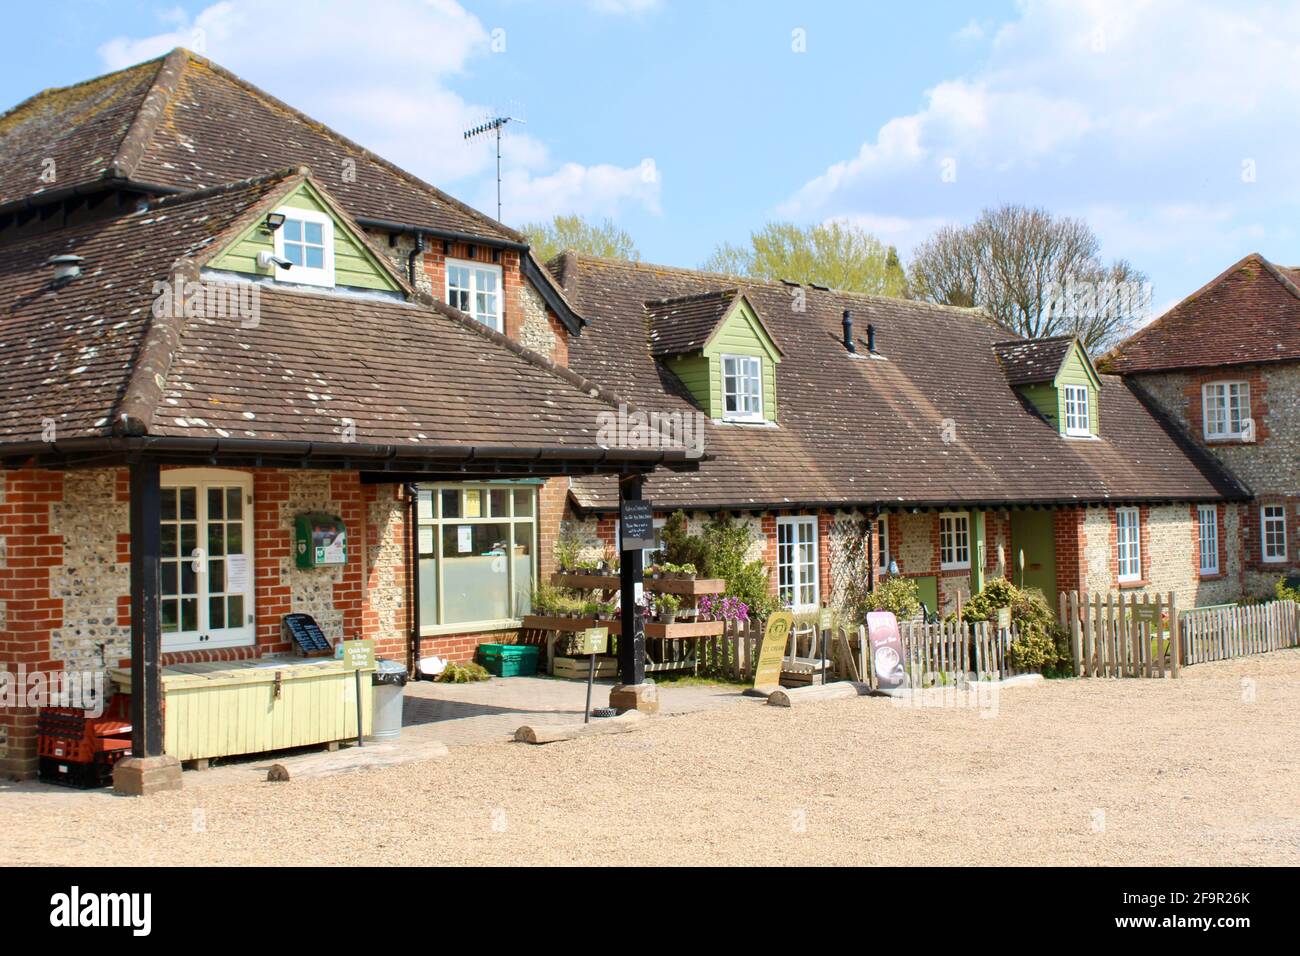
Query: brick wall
[[65, 575], [527, 318]]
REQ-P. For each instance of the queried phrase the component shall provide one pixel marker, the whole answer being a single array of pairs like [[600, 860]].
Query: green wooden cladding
[[741, 333], [354, 265], [1049, 397]]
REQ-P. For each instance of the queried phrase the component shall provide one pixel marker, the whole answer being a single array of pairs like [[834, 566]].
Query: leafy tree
[[549, 239], [834, 254], [1036, 274]]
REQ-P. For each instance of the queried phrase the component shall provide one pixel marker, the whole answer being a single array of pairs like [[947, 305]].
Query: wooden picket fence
[[947, 651], [1218, 633], [934, 654], [1122, 635]]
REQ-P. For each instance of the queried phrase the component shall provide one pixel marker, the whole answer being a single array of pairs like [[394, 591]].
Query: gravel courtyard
[[1202, 770]]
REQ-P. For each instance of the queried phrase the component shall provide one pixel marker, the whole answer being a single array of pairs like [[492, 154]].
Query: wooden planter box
[[224, 708], [577, 668]]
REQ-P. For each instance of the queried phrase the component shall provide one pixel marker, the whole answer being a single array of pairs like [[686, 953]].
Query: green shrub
[[1285, 593], [900, 595], [465, 673], [1042, 642], [721, 551]]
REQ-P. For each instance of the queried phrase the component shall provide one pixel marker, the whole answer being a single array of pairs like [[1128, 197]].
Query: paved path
[[459, 714]]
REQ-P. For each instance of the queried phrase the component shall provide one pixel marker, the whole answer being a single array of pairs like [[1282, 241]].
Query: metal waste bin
[[389, 679]]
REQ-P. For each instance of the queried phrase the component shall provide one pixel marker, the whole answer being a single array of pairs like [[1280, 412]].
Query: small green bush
[[1042, 642], [1285, 593], [466, 673], [900, 595]]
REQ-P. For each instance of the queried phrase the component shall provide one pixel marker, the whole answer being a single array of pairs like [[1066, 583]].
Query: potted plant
[[667, 605], [567, 547]]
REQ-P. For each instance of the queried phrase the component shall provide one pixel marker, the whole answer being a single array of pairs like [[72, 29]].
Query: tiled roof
[[685, 324], [1250, 313], [92, 357], [1027, 361], [932, 421], [184, 122]]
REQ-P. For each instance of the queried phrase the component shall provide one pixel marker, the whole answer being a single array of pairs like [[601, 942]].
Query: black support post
[[631, 641], [146, 633]]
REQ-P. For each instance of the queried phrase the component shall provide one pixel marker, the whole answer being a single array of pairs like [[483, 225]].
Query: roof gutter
[[451, 454]]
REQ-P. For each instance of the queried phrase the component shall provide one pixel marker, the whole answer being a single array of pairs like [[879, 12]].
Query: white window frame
[[1078, 412], [492, 319], [1207, 537], [1217, 418], [1128, 544], [795, 575], [435, 520], [1270, 515], [304, 275], [954, 541], [743, 398], [202, 638]]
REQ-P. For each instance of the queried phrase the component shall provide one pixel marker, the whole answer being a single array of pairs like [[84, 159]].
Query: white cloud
[[588, 190], [623, 7], [388, 83], [1141, 116], [1116, 80]]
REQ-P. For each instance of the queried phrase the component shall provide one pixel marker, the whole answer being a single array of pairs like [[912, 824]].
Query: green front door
[[1033, 532]]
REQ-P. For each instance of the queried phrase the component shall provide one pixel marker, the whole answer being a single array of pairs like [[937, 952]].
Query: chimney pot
[[871, 338], [848, 331]]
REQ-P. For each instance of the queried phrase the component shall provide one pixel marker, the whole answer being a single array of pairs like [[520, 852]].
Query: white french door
[[206, 560]]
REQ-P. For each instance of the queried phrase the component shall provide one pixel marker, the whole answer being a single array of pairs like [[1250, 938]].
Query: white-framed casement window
[[206, 559], [475, 289], [1128, 543], [1207, 534], [1077, 421], [742, 388], [1272, 532], [307, 240], [954, 540], [1226, 408], [478, 548], [796, 562]]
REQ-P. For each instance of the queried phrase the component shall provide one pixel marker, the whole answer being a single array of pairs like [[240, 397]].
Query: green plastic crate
[[509, 660]]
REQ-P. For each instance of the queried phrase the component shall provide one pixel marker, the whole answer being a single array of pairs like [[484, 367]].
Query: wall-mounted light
[[274, 220]]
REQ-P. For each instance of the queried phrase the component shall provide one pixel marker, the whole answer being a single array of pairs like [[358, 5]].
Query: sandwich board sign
[[886, 650], [767, 672]]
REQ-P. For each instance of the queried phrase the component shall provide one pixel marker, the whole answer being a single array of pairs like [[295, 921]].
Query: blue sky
[[1169, 126]]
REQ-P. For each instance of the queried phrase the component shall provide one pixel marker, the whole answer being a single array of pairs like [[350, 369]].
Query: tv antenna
[[493, 126]]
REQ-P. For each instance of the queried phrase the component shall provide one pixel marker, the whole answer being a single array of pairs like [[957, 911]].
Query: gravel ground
[[1197, 771]]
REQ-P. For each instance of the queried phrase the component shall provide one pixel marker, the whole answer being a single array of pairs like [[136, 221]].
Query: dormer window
[[1227, 410], [1076, 411], [475, 289], [306, 240], [742, 388]]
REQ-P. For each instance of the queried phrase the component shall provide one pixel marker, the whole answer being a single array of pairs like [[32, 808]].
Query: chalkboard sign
[[636, 525], [306, 634]]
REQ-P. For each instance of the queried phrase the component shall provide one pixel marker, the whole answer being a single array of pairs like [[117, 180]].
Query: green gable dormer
[[1058, 379], [721, 350], [322, 246]]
